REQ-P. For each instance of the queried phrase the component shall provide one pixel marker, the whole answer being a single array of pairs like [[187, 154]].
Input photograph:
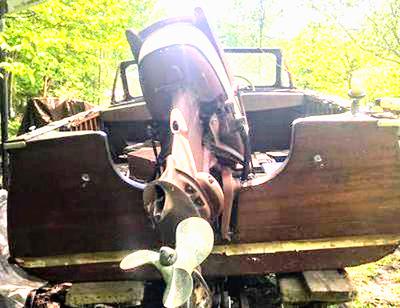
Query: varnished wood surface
[[353, 190], [52, 210]]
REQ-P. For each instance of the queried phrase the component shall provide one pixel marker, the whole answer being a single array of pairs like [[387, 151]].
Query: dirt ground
[[377, 284]]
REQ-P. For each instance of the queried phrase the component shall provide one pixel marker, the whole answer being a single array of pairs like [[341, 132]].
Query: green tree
[[322, 58], [325, 56], [69, 48], [246, 24]]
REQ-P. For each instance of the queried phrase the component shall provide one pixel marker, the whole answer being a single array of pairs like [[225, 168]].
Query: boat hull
[[334, 203]]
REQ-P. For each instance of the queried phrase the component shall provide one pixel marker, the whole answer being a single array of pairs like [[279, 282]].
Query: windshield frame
[[278, 67], [128, 98]]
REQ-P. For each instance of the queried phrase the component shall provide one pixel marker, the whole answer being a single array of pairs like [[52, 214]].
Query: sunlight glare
[[284, 18]]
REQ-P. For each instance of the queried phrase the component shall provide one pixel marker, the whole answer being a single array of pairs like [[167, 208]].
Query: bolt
[[198, 202], [168, 256], [189, 189], [175, 126]]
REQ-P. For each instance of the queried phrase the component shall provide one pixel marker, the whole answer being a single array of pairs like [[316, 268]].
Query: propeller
[[194, 242]]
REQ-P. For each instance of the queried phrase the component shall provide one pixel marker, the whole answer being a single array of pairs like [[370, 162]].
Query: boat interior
[[270, 115]]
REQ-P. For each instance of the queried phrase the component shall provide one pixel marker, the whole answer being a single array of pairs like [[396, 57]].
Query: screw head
[[317, 158], [85, 177]]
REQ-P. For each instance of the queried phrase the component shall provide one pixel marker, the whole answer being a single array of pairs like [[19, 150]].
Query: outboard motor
[[202, 130]]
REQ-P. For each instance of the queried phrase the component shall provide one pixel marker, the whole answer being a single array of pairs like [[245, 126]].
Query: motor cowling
[[180, 56]]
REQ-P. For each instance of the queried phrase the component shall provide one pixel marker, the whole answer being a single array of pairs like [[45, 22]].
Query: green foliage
[[381, 33], [13, 126], [69, 48], [246, 23], [319, 58], [324, 57]]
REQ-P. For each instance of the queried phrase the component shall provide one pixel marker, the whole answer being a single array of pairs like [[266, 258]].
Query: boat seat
[[142, 163], [257, 101]]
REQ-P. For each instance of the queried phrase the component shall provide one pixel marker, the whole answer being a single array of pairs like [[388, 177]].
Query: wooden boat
[[323, 190]]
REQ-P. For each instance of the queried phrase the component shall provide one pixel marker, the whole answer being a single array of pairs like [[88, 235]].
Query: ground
[[378, 284]]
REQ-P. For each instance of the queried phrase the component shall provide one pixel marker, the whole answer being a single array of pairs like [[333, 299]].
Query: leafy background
[[71, 48]]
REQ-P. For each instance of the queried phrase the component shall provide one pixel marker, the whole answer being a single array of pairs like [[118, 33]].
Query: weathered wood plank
[[293, 289], [122, 292], [315, 288], [329, 286]]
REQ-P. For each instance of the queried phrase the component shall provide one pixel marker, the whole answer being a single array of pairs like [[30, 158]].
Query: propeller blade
[[178, 289], [139, 258], [194, 243], [142, 257]]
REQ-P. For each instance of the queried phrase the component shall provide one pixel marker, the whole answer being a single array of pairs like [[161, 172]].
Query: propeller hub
[[168, 256]]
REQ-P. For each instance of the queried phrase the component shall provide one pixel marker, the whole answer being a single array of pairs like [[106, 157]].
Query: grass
[[377, 284]]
